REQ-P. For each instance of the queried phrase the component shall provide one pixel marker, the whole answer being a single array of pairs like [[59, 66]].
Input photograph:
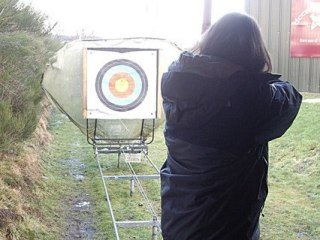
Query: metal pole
[[119, 155], [154, 233], [155, 228], [131, 187], [206, 15], [107, 197], [134, 180]]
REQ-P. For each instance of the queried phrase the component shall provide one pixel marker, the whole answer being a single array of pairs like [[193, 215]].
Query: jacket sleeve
[[278, 104]]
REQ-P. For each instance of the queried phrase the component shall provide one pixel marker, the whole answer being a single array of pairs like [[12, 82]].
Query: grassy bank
[[21, 191]]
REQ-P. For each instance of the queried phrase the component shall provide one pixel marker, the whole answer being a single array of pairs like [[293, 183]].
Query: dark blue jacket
[[219, 119]]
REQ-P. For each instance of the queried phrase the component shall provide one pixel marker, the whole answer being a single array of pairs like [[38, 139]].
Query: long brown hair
[[237, 38]]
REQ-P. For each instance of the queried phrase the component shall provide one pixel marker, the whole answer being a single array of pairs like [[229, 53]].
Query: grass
[[70, 143], [59, 185], [291, 210], [292, 207]]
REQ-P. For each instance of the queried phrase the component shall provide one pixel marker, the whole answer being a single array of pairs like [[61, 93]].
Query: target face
[[121, 85]]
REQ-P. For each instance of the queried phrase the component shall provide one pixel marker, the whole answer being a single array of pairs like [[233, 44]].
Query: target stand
[[130, 152], [122, 84]]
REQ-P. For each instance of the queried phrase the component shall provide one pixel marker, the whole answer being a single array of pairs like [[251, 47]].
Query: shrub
[[15, 16], [25, 47], [22, 61]]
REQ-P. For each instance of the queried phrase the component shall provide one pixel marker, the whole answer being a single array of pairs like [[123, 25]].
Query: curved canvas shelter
[[116, 82]]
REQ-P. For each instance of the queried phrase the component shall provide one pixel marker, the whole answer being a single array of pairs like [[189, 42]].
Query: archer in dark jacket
[[222, 106]]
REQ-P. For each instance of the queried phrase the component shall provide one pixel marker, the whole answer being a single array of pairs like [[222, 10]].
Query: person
[[222, 106]]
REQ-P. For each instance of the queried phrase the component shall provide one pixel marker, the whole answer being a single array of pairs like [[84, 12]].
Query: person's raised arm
[[279, 105]]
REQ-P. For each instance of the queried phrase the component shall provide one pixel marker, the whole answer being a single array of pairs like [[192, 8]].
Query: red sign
[[305, 28]]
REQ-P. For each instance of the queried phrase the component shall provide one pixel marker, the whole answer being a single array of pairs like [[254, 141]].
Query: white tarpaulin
[[128, 98]]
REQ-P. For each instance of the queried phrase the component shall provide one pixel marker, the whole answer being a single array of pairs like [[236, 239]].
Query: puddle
[[82, 165], [87, 231], [79, 177], [80, 217], [82, 204]]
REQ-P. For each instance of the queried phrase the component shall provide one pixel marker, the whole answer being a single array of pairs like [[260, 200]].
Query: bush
[[15, 16], [21, 66], [25, 47]]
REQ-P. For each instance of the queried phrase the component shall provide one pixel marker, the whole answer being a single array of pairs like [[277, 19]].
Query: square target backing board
[[120, 83]]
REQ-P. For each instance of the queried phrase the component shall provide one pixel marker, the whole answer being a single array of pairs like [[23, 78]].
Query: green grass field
[[291, 210]]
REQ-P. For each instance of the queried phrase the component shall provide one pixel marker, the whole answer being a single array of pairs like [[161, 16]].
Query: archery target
[[120, 84]]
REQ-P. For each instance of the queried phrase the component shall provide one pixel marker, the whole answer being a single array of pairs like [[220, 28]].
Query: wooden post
[[206, 15]]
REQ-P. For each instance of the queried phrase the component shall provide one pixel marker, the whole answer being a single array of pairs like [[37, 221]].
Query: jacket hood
[[205, 66]]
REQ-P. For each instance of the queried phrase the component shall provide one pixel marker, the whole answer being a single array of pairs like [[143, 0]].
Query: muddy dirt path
[[79, 207], [71, 161], [84, 206]]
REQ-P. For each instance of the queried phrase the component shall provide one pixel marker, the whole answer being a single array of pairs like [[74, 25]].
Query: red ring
[[115, 78]]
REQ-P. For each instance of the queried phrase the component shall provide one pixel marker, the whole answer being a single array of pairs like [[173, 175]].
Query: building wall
[[274, 17]]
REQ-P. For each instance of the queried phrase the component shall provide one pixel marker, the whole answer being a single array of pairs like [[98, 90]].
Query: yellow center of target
[[121, 85]]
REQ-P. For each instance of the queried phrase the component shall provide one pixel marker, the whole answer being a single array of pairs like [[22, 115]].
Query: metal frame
[[123, 147], [118, 142]]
